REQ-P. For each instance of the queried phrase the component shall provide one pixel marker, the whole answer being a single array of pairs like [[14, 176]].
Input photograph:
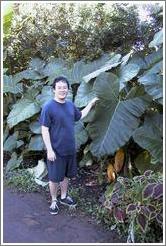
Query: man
[[57, 124]]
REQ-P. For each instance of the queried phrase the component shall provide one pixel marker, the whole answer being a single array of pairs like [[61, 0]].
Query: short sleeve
[[77, 113], [45, 119]]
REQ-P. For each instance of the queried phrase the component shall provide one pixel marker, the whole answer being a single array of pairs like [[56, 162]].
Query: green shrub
[[22, 180]]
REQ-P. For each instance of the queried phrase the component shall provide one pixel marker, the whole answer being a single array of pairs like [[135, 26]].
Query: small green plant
[[22, 180], [136, 206]]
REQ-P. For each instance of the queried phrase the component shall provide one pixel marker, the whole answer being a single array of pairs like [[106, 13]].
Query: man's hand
[[51, 156], [86, 110], [94, 100]]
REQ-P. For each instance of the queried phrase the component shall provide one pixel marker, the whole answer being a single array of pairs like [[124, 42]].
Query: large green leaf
[[28, 74], [82, 68], [154, 58], [107, 89], [38, 172], [36, 143], [35, 127], [106, 86], [153, 84], [78, 70], [12, 142], [113, 62], [81, 134], [135, 91], [36, 64], [157, 40], [5, 133], [156, 68], [97, 128], [31, 74], [85, 93], [21, 111], [142, 162], [127, 72], [87, 160], [46, 94], [31, 93], [138, 59], [14, 162], [125, 59], [115, 124], [149, 136], [132, 58], [54, 67], [10, 85]]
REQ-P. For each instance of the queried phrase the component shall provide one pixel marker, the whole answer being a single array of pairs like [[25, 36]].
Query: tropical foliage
[[127, 79], [130, 93]]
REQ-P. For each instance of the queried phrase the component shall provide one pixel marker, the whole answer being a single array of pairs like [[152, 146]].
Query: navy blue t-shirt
[[60, 118]]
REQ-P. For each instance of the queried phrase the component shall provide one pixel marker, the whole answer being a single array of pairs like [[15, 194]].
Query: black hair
[[60, 78]]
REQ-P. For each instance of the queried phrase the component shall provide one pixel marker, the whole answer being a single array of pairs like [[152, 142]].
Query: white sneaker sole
[[54, 213], [68, 204]]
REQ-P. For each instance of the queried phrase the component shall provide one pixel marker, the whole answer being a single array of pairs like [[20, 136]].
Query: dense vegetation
[[101, 56]]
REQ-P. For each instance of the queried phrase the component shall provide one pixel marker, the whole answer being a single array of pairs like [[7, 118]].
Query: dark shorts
[[63, 166]]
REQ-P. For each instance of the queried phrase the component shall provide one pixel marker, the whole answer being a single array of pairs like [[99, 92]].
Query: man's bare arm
[[46, 138], [86, 110]]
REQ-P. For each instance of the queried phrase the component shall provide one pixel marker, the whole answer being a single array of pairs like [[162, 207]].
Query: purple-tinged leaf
[[142, 179], [138, 208], [145, 211], [142, 222], [131, 208], [108, 205], [148, 191], [119, 214], [114, 200], [148, 172], [153, 215], [151, 208], [159, 218], [158, 191], [151, 180]]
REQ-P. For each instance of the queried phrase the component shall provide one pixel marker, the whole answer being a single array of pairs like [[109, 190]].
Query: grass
[[22, 180]]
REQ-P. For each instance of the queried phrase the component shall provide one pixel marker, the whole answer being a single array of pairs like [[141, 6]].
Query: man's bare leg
[[64, 187], [53, 190]]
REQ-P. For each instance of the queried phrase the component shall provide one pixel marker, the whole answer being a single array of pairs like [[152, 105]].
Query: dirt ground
[[26, 219]]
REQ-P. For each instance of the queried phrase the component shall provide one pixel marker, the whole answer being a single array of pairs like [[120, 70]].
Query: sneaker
[[54, 209], [68, 201]]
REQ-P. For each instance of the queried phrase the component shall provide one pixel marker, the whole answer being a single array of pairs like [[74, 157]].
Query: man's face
[[61, 90]]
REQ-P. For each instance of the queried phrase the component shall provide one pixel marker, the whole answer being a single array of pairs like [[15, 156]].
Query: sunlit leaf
[[157, 40], [22, 110], [36, 143]]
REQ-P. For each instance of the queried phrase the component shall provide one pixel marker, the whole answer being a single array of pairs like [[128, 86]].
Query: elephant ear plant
[[130, 90], [130, 93]]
